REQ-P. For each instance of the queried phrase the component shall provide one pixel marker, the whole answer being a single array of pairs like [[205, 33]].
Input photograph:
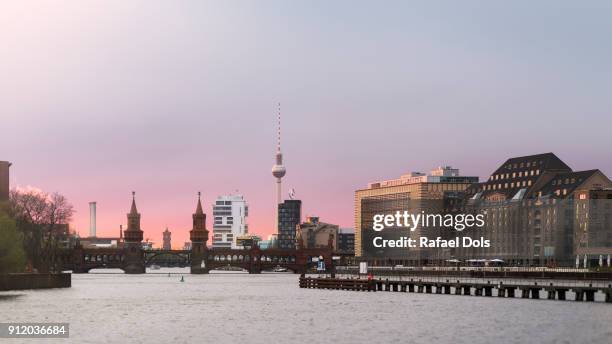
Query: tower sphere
[[278, 171]]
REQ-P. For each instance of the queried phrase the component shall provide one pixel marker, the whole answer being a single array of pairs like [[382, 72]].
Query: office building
[[539, 212], [271, 242], [229, 220], [316, 234], [414, 192], [289, 217], [346, 241], [247, 241]]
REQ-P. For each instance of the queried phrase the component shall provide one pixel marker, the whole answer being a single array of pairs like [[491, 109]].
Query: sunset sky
[[168, 98]]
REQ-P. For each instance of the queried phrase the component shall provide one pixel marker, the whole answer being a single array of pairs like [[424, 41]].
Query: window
[[582, 196]]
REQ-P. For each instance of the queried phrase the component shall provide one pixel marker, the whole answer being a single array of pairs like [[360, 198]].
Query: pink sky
[[168, 99]]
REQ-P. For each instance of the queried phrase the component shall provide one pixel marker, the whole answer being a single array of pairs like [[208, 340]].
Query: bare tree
[[40, 217]]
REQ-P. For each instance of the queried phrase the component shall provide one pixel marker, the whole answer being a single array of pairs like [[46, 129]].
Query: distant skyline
[[100, 99]]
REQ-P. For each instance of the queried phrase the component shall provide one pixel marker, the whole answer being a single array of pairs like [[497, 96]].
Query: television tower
[[278, 170]]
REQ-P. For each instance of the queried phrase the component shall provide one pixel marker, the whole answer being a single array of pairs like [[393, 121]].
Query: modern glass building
[[289, 216]]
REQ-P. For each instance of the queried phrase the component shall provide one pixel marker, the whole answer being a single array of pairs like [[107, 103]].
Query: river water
[[270, 308]]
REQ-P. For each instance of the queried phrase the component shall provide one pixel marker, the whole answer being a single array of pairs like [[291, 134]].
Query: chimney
[[92, 219]]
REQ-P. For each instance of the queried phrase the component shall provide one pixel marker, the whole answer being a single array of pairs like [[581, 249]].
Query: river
[[270, 308]]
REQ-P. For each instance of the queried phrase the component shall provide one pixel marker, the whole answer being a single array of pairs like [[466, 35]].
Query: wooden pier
[[481, 287]]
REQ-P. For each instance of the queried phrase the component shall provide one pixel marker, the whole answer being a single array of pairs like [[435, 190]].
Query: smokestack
[[92, 219], [4, 180]]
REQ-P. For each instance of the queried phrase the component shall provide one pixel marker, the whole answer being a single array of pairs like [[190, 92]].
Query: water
[[270, 308]]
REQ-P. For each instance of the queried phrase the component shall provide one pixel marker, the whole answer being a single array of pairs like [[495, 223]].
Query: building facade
[[539, 212], [316, 234], [229, 220], [289, 217], [346, 241], [415, 192]]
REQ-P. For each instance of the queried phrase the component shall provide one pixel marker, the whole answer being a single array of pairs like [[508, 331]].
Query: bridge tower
[[132, 237], [199, 237]]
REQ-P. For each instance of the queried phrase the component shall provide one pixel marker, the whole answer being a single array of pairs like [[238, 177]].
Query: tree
[[12, 256], [41, 218]]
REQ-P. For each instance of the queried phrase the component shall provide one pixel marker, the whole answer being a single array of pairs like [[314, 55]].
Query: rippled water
[[270, 308]]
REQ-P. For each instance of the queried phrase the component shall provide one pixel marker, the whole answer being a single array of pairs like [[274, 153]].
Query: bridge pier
[[525, 293], [579, 294], [608, 293]]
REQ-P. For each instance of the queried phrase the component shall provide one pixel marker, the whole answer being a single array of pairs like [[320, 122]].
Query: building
[[247, 241], [271, 242], [414, 192], [541, 212], [316, 234], [167, 240], [346, 241], [97, 242], [230, 220], [4, 180], [289, 217], [147, 245]]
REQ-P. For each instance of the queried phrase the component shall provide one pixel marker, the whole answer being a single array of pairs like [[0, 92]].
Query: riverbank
[[21, 281]]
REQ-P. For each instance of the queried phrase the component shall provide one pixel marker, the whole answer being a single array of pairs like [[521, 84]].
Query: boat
[[280, 269]]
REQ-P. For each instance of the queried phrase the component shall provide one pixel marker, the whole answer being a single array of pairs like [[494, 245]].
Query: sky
[[168, 98]]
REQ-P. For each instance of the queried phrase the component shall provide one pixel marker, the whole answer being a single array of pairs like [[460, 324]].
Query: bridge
[[130, 257], [253, 260]]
